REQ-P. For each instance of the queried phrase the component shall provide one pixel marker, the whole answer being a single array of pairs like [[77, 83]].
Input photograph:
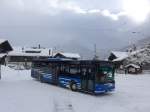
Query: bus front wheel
[[73, 86]]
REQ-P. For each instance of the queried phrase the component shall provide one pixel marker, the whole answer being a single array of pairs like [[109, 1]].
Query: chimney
[[49, 52], [22, 49], [39, 46]]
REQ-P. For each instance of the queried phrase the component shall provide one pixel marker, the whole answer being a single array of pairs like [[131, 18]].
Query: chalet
[[21, 58], [133, 69], [118, 57], [5, 47], [73, 56]]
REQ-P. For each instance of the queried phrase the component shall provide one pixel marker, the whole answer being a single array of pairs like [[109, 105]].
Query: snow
[[2, 55], [142, 56], [70, 55], [123, 55], [120, 55], [48, 52], [2, 40], [20, 93], [135, 66], [40, 52]]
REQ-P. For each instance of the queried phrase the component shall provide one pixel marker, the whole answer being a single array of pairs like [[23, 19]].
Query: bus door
[[87, 80], [55, 72]]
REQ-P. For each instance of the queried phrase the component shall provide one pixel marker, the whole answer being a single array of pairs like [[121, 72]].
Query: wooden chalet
[[5, 47], [133, 69]]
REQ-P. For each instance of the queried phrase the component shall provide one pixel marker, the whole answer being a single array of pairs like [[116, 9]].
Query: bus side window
[[74, 70], [64, 69], [84, 71]]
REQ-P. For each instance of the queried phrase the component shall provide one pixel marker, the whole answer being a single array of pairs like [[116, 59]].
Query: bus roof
[[69, 61]]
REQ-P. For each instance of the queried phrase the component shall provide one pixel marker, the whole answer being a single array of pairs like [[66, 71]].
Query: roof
[[120, 55], [123, 55], [18, 51], [69, 55], [60, 60], [2, 55], [5, 46], [134, 65], [2, 40]]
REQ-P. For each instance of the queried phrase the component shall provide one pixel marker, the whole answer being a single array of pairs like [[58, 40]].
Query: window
[[100, 77], [64, 69], [32, 51], [74, 70], [70, 69], [104, 74]]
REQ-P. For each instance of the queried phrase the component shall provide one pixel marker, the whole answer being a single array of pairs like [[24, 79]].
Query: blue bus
[[89, 76]]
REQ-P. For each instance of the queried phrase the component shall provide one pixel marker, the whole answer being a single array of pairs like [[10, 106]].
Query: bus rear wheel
[[73, 86]]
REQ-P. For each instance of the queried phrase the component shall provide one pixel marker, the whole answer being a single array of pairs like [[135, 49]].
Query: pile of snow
[[20, 93]]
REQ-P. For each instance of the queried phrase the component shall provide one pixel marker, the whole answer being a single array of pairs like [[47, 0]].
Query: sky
[[72, 23]]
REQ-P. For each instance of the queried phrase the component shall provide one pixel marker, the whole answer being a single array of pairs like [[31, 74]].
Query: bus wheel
[[73, 86]]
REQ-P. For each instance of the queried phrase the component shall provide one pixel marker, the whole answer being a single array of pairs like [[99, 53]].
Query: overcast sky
[[66, 22]]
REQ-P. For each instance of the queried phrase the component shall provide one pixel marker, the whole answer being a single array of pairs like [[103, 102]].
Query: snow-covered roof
[[2, 40], [138, 51], [123, 55], [120, 55], [2, 55], [18, 51], [134, 65], [69, 55], [5, 47]]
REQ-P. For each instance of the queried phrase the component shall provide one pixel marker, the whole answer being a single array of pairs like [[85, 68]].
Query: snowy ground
[[20, 93]]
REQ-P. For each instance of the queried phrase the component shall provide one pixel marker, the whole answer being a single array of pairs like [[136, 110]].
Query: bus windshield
[[104, 75]]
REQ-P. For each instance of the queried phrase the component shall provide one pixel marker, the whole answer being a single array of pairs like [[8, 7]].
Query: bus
[[91, 76]]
